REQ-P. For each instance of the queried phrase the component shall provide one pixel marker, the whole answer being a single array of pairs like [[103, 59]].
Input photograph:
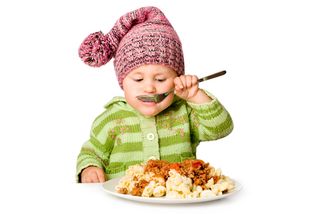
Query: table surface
[[94, 193], [254, 197]]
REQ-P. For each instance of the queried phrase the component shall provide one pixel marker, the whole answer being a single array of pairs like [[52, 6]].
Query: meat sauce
[[197, 170]]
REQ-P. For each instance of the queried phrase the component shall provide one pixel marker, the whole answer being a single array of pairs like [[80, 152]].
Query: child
[[148, 60]]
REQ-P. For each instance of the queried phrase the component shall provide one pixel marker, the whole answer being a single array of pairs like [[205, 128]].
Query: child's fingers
[[178, 83], [191, 80], [92, 175], [94, 178], [188, 81], [194, 80], [184, 82], [86, 179], [100, 176], [89, 178]]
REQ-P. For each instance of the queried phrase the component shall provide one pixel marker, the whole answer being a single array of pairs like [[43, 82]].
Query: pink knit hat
[[140, 37]]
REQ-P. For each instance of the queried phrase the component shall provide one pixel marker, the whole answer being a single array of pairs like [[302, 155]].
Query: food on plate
[[188, 179]]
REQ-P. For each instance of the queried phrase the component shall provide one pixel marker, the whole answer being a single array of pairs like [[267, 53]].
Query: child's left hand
[[187, 88]]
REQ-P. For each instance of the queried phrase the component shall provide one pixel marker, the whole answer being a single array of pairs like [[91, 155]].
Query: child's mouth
[[148, 102], [156, 98]]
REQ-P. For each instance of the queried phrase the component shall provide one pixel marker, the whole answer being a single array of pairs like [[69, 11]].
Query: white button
[[150, 136]]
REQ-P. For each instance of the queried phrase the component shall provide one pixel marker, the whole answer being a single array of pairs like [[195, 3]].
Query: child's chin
[[149, 113], [153, 110]]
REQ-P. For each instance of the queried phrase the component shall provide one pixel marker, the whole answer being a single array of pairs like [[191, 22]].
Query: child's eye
[[161, 80], [138, 79]]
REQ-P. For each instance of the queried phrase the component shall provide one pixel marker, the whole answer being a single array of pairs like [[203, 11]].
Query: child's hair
[[143, 36]]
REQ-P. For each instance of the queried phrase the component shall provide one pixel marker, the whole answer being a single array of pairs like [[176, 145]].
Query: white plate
[[109, 187]]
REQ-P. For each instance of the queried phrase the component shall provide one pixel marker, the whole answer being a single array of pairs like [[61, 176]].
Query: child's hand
[[92, 174], [187, 88]]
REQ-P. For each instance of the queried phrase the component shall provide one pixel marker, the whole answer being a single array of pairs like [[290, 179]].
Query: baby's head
[[142, 42]]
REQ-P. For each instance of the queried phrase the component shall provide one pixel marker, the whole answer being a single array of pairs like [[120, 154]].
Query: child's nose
[[149, 88]]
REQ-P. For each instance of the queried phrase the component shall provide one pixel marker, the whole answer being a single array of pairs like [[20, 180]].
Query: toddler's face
[[149, 80]]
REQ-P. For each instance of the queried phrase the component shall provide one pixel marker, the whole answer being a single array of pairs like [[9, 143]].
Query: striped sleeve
[[96, 151], [209, 121]]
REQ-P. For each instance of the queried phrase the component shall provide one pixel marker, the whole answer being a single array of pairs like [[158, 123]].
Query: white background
[[49, 98]]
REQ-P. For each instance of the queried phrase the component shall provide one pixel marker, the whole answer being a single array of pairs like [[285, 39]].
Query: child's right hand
[[92, 174], [187, 88]]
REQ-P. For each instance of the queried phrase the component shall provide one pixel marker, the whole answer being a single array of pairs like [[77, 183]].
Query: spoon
[[157, 98]]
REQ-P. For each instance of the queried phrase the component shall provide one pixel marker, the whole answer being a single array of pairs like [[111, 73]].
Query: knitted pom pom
[[94, 50]]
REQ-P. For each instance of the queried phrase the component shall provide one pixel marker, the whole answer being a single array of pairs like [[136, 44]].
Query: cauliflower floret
[[210, 183], [216, 190], [159, 191], [178, 185], [174, 194], [212, 171], [227, 183], [148, 190], [135, 170], [125, 183], [195, 193], [158, 180], [147, 176], [206, 194]]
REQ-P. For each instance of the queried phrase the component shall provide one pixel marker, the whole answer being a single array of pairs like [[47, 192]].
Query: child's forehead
[[152, 70]]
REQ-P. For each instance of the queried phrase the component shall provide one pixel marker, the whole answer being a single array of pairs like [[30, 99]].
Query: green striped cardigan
[[121, 136]]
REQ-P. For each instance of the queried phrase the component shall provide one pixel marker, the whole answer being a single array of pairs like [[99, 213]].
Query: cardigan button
[[150, 136], [152, 158]]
